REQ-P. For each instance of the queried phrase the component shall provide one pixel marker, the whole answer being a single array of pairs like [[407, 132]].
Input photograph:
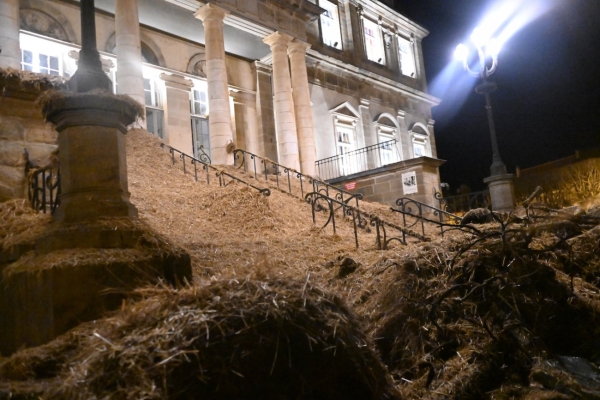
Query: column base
[[502, 192]]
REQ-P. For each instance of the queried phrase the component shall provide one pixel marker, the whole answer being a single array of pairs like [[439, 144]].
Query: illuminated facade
[[292, 80]]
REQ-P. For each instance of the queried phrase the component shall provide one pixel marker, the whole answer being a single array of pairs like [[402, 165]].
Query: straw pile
[[507, 310], [275, 339]]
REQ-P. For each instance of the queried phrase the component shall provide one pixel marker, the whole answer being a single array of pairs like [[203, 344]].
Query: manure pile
[[281, 309]]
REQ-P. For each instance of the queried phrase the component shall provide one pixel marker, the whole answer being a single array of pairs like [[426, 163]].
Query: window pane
[[148, 97], [27, 57], [373, 42], [43, 61], [147, 85], [407, 59], [330, 25], [54, 63]]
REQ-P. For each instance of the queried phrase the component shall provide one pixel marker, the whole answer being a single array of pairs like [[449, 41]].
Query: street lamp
[[487, 48]]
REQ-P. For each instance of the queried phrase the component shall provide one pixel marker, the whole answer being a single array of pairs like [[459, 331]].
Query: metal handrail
[[269, 167], [381, 225], [194, 162], [43, 185], [356, 160], [446, 219], [463, 202]]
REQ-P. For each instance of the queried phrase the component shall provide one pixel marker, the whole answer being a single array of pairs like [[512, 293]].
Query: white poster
[[409, 183]]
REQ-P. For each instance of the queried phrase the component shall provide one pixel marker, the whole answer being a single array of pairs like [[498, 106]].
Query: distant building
[[334, 88]]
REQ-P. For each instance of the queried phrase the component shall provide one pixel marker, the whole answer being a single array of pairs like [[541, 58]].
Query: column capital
[[210, 11], [298, 47], [277, 39], [364, 103], [244, 98], [401, 114]]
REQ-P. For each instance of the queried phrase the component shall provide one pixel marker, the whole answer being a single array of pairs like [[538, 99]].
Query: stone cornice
[[373, 78]]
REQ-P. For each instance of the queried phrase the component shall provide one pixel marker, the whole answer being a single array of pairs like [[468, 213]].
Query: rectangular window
[[199, 102], [387, 150], [374, 42], [155, 122], [407, 58], [347, 164], [201, 138], [37, 62], [151, 93], [330, 24]]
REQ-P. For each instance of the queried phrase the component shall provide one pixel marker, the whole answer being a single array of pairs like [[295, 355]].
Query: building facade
[[332, 88]]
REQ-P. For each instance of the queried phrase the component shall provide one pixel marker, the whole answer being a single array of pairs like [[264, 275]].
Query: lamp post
[[89, 74], [485, 49], [500, 182]]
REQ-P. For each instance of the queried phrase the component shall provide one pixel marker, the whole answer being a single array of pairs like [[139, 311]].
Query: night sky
[[548, 100]]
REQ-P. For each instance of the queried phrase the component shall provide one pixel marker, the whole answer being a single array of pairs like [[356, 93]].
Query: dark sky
[[548, 100]]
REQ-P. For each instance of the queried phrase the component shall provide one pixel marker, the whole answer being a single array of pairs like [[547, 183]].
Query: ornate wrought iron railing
[[199, 167], [43, 185], [415, 214], [320, 202], [360, 160], [464, 202], [261, 168]]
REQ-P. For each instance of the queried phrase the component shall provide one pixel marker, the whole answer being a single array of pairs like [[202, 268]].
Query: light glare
[[493, 48], [461, 53]]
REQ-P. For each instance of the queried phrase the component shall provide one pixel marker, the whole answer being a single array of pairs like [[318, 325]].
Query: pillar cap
[[210, 11], [66, 109], [176, 81], [298, 46], [277, 38]]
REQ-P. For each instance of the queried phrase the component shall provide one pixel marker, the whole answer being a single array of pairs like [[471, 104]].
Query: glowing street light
[[487, 48]]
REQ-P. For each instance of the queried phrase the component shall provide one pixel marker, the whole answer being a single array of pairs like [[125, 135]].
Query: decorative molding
[[197, 65], [37, 21]]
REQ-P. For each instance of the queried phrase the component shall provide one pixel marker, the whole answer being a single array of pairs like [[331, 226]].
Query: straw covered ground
[[281, 308]]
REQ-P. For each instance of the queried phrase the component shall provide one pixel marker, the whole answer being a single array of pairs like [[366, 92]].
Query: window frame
[[380, 35], [411, 54], [335, 4]]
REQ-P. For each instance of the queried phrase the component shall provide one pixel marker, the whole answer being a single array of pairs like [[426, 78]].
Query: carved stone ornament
[[39, 22], [197, 65]]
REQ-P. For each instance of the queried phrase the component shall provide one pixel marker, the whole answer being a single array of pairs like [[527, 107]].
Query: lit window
[[419, 143], [373, 42], [199, 102], [347, 163], [330, 24], [38, 62], [407, 59], [154, 112]]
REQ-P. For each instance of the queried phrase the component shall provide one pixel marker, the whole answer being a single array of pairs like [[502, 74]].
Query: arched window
[[387, 129], [421, 145]]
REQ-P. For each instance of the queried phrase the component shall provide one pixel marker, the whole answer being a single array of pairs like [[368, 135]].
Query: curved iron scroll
[[43, 185]]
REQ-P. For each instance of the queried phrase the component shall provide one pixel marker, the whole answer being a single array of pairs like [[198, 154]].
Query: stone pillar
[[403, 136], [302, 107], [9, 34], [219, 121], [244, 105], [265, 121], [502, 192], [432, 144], [130, 80], [177, 112], [368, 132], [285, 118], [92, 158]]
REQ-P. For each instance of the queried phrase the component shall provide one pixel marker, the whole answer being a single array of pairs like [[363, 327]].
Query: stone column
[[403, 137], [130, 80], [432, 144], [244, 105], [219, 120], [265, 122], [370, 137], [9, 34], [285, 119], [177, 112], [302, 107]]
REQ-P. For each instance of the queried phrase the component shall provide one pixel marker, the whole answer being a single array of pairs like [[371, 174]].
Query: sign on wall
[[409, 183], [350, 186]]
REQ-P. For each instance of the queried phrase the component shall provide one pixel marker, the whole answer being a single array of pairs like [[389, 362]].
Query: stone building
[[332, 88]]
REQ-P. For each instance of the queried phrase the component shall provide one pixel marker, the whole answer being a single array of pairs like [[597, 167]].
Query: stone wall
[[22, 127], [384, 185]]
